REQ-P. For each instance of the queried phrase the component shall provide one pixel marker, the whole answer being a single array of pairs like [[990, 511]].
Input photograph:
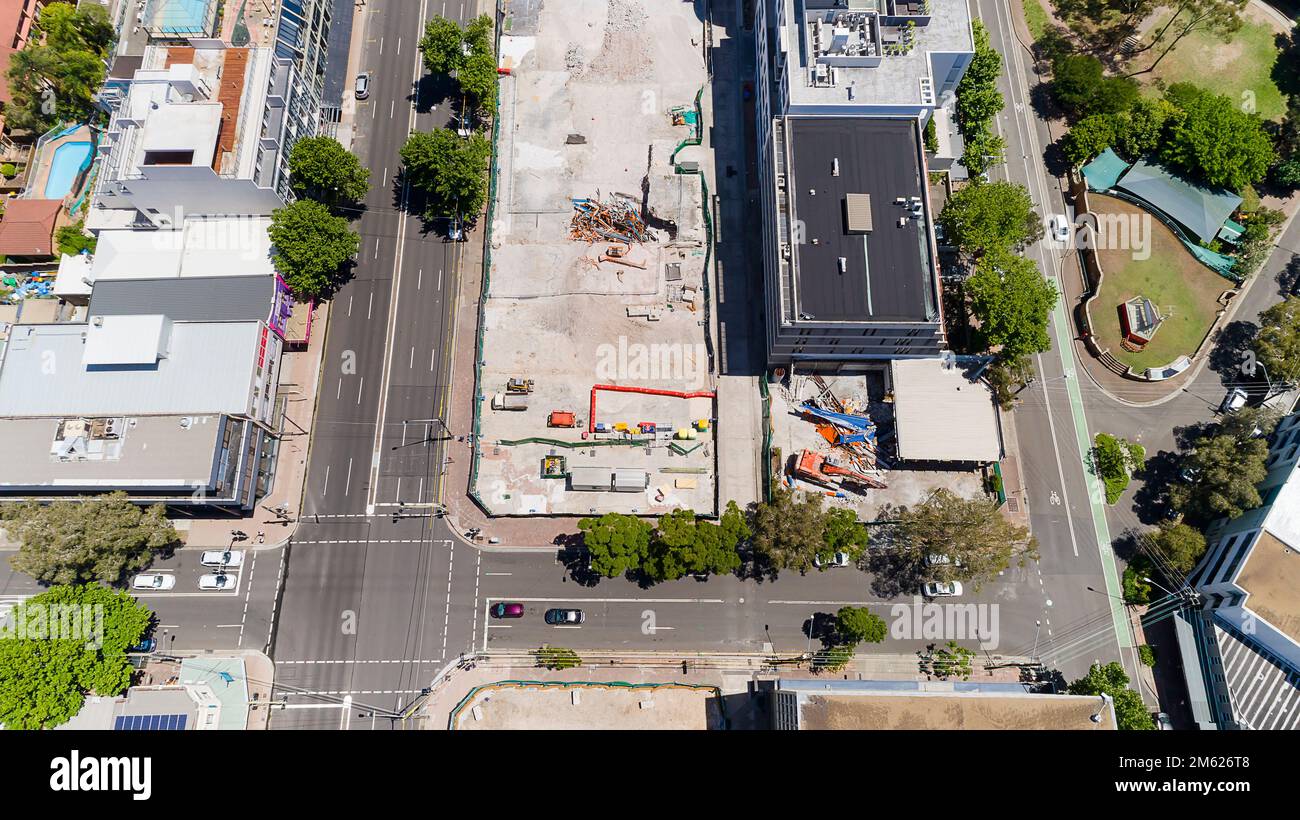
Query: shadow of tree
[[1151, 501], [1229, 343]]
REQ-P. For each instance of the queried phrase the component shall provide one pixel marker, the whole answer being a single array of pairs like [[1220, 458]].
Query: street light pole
[[1033, 656]]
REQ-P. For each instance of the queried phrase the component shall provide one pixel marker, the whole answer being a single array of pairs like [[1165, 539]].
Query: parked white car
[[222, 558], [839, 559], [1059, 228], [941, 590], [218, 580], [153, 580], [1235, 400]]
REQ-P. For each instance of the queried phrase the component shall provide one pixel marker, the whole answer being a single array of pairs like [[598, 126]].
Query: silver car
[[939, 589]]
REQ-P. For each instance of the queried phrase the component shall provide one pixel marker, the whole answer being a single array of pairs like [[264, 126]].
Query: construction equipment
[[617, 219], [618, 255], [830, 472], [510, 401], [554, 467], [517, 385], [561, 418]]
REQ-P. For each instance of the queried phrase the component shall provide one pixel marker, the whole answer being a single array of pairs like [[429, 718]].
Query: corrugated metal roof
[[197, 299], [209, 368]]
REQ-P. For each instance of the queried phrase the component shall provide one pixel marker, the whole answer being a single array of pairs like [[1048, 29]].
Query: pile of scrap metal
[[855, 458], [618, 219]]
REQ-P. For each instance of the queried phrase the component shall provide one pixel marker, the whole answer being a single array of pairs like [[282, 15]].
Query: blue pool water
[[68, 161]]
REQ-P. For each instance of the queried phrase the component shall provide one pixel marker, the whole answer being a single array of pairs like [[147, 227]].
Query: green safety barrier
[[572, 445]]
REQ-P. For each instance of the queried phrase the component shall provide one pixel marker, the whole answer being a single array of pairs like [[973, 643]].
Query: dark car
[[564, 617], [145, 646], [507, 610]]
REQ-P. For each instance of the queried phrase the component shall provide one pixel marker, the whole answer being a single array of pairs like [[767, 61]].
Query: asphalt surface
[[373, 604]]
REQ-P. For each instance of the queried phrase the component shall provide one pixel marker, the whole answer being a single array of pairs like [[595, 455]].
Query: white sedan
[[153, 580], [1059, 226], [218, 580], [222, 558], [942, 590]]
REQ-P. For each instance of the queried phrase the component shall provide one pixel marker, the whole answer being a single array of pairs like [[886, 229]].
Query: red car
[[507, 610]]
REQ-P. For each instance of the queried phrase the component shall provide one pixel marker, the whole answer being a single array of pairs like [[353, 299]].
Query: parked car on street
[[153, 580], [507, 610], [1059, 228], [145, 646], [222, 558], [362, 88], [1235, 400], [941, 590], [218, 580], [839, 559], [564, 617]]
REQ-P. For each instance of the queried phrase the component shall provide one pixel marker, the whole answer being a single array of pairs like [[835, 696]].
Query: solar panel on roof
[[150, 723]]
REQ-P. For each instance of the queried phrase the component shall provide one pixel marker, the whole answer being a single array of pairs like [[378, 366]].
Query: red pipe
[[676, 394]]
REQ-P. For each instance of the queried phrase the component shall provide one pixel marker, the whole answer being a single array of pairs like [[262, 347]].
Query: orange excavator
[[819, 469]]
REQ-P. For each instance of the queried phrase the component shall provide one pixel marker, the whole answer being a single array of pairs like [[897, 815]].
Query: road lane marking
[[326, 489], [347, 486], [360, 385]]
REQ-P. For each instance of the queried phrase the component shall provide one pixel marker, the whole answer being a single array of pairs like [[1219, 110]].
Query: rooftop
[[940, 415], [1271, 578], [188, 299], [937, 705], [27, 227], [862, 52], [181, 380], [881, 268], [74, 454], [237, 246]]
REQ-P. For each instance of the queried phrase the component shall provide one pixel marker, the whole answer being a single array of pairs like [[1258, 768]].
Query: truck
[[510, 401]]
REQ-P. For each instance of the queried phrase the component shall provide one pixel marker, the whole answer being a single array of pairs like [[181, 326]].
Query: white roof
[[209, 368], [183, 127], [72, 276], [233, 246], [942, 416], [122, 340]]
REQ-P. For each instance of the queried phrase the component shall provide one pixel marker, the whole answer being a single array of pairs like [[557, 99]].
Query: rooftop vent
[[857, 213]]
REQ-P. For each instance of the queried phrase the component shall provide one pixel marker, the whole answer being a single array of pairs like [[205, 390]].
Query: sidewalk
[[1016, 510]]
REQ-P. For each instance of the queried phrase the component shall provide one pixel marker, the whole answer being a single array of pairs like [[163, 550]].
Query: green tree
[[442, 46], [1081, 88], [1278, 343], [467, 53], [1222, 468], [789, 531], [1147, 654], [1141, 130], [1181, 546], [45, 675], [1287, 173], [324, 170], [857, 624], [684, 545], [73, 239], [311, 247], [451, 170], [478, 80], [1114, 460], [978, 101], [54, 79], [1136, 590], [1213, 139], [983, 150], [99, 538], [973, 532], [1012, 301], [617, 543], [1103, 25], [1110, 680], [985, 216], [843, 532], [1089, 137]]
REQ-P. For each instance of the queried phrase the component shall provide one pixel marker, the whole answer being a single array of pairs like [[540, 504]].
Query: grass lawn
[[1241, 66], [1036, 18], [1183, 290]]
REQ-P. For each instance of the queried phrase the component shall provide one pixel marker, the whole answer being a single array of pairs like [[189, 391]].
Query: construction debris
[[616, 219]]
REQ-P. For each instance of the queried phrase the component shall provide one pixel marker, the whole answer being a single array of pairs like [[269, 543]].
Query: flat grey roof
[[940, 415], [157, 452], [208, 367], [887, 271], [187, 299]]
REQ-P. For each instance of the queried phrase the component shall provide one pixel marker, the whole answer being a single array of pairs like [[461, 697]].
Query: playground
[[1181, 289], [595, 388]]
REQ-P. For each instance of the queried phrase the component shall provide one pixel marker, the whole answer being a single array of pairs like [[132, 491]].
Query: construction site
[[596, 387], [886, 437]]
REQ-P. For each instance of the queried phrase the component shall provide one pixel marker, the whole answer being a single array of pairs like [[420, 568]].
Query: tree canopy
[[857, 624], [450, 170], [467, 53], [52, 655], [324, 170], [1012, 301], [311, 247], [1180, 545], [685, 545], [992, 215], [54, 79], [1223, 466], [978, 102], [1081, 87], [970, 531], [1212, 138], [792, 529], [98, 538], [1278, 342], [1112, 681], [617, 543], [1114, 460]]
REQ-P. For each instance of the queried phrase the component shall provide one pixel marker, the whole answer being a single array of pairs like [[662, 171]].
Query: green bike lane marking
[[1096, 494]]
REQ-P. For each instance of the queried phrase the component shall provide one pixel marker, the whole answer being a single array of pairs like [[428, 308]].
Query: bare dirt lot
[[586, 115], [595, 706]]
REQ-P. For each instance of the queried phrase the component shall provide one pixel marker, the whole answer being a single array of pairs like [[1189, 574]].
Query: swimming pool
[[69, 159]]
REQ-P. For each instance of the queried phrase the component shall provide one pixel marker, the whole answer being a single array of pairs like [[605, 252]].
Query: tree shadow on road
[[1229, 344], [573, 556], [1151, 501]]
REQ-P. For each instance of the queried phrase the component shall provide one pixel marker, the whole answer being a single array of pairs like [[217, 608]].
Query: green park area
[[1184, 291]]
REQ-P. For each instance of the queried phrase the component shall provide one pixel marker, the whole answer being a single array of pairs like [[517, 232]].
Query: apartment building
[[1242, 647], [845, 88]]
